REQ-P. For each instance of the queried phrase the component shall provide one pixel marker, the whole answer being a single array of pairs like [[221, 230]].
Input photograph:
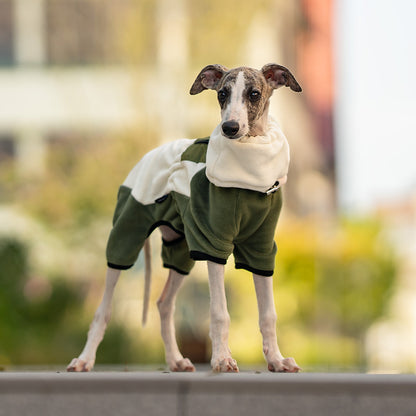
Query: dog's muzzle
[[230, 129]]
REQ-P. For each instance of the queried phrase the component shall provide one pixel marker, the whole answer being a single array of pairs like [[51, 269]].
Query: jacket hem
[[265, 273], [168, 266], [198, 255], [119, 266]]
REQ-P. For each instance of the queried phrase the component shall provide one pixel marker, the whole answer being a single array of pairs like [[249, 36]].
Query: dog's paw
[[182, 365], [285, 365], [224, 365], [79, 365]]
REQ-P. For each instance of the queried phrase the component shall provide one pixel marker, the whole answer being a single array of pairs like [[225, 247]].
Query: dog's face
[[243, 95]]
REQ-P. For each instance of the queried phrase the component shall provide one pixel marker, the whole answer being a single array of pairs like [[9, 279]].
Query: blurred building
[[63, 74], [59, 76]]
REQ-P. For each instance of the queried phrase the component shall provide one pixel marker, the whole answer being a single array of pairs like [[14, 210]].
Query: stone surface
[[205, 393]]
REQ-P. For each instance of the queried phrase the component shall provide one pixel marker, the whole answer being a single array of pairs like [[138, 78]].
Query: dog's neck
[[250, 162]]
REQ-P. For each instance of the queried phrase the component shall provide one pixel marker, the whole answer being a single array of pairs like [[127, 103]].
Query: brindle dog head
[[243, 94]]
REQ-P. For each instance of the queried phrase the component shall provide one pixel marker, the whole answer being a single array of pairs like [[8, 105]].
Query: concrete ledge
[[153, 393]]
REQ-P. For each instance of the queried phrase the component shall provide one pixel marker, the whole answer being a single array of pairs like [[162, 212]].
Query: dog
[[209, 197]]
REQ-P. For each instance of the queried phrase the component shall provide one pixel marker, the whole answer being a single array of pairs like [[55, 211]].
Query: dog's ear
[[208, 78], [278, 76]]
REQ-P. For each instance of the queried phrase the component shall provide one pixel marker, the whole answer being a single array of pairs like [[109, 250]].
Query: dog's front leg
[[220, 321], [85, 362], [267, 322]]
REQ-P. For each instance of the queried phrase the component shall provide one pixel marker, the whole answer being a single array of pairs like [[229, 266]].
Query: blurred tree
[[41, 320], [331, 283]]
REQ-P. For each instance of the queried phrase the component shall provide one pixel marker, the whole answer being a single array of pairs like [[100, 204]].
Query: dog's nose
[[230, 128]]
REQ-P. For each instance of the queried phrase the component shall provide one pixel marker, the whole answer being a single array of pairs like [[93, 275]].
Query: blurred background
[[88, 86]]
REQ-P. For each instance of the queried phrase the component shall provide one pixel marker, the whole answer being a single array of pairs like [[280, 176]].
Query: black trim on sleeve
[[168, 266], [118, 267], [265, 273], [198, 255]]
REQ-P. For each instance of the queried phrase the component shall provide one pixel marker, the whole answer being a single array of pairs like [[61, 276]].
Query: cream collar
[[251, 162]]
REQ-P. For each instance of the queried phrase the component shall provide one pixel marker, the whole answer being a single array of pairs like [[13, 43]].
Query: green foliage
[[41, 319], [332, 282], [349, 270]]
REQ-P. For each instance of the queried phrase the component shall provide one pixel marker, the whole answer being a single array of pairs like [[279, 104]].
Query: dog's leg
[[220, 321], [267, 322], [166, 306], [86, 360]]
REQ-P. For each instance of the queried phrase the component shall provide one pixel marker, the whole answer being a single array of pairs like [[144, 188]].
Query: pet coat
[[213, 193]]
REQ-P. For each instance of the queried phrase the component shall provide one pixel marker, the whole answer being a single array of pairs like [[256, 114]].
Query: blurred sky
[[375, 57]]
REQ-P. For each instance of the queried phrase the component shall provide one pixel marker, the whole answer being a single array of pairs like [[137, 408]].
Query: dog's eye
[[254, 95], [222, 96]]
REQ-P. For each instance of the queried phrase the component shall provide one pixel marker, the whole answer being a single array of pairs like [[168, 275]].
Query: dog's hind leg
[[86, 360], [166, 306], [267, 321]]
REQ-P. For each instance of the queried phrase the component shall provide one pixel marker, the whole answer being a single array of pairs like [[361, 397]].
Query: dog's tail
[[147, 279]]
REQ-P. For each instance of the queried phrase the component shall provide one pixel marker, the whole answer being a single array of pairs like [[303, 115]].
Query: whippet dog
[[209, 197]]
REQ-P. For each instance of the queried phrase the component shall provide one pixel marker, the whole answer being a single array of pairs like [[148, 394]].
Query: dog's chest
[[231, 213]]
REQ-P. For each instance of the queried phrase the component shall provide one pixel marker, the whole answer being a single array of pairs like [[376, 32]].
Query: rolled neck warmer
[[250, 162]]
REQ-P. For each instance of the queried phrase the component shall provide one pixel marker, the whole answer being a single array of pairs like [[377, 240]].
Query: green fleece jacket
[[212, 192]]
